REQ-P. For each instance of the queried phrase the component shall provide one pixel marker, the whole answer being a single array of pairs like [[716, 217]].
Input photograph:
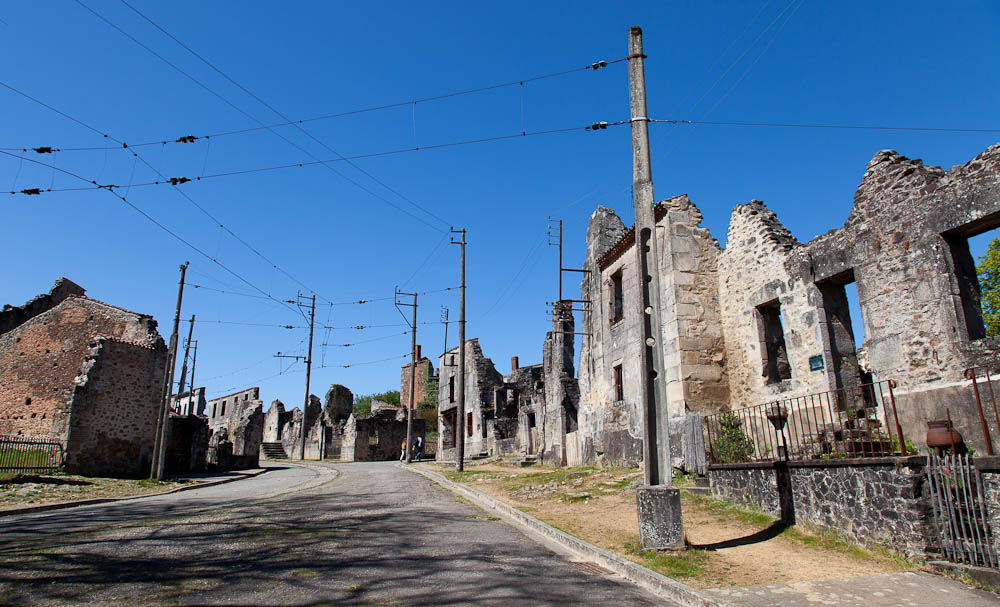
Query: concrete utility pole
[[413, 371], [184, 366], [193, 406], [309, 360], [460, 414], [159, 447], [659, 506]]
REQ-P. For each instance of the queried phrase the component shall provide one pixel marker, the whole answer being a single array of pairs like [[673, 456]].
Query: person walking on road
[[420, 447], [402, 451]]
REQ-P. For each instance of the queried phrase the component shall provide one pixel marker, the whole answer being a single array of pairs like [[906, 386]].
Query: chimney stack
[[418, 352], [513, 364]]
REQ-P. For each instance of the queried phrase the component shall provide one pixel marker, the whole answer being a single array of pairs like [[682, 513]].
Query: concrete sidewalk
[[887, 590]]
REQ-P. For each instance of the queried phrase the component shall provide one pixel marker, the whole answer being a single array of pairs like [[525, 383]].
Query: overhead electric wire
[[827, 126], [365, 341], [369, 362], [177, 181], [253, 118]]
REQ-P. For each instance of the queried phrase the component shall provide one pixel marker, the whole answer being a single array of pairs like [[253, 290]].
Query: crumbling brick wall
[[41, 358], [115, 405]]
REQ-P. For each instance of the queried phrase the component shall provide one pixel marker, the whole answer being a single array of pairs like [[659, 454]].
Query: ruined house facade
[[85, 373], [767, 317], [425, 381], [530, 411], [190, 402], [236, 426]]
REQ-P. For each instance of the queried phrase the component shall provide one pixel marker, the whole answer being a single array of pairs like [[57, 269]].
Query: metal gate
[[958, 499], [25, 454]]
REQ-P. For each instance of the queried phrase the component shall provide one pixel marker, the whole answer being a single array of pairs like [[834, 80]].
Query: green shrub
[[731, 444]]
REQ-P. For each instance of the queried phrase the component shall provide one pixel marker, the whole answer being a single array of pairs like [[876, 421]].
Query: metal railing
[[975, 373], [859, 421], [24, 453]]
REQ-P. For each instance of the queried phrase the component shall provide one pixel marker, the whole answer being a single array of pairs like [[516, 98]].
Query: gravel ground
[[35, 490]]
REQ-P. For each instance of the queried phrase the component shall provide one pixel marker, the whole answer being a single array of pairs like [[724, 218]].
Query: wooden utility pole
[[159, 446], [460, 414], [309, 360], [658, 503]]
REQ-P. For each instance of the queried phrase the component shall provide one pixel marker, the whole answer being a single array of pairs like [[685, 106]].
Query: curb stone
[[658, 584], [105, 500]]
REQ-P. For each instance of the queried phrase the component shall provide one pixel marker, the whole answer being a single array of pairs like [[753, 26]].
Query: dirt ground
[[19, 491], [727, 547]]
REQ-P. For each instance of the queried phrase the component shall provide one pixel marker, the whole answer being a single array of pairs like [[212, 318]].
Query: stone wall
[[377, 438], [187, 444], [114, 408], [14, 316], [869, 501], [189, 403], [274, 422]]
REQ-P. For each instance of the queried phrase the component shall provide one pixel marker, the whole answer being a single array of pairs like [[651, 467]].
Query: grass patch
[[304, 573], [682, 564]]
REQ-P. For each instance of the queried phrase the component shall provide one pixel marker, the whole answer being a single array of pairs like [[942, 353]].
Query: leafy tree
[[988, 271], [363, 402], [731, 444]]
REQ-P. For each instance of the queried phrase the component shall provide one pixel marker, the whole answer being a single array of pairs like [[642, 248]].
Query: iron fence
[[960, 511], [976, 373], [23, 453], [857, 421]]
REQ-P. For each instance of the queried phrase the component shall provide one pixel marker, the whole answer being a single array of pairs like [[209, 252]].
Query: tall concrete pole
[[413, 383], [309, 360], [159, 446], [460, 414], [658, 502], [193, 410], [184, 365]]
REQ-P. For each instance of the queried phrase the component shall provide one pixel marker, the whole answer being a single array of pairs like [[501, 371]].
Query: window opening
[[468, 424], [451, 389], [617, 297], [616, 377], [774, 354], [571, 416], [842, 333]]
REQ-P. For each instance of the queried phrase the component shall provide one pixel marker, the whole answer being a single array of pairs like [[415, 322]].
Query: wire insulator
[[186, 139], [32, 191], [598, 65], [44, 150]]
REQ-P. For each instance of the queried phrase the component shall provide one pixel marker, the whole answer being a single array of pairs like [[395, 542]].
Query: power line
[[283, 117], [369, 362], [828, 126], [192, 138], [176, 181], [248, 115]]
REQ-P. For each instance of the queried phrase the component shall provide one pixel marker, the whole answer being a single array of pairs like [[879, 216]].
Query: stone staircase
[[524, 460], [273, 451], [701, 486]]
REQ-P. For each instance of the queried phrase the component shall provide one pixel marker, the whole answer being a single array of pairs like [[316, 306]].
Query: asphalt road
[[336, 534]]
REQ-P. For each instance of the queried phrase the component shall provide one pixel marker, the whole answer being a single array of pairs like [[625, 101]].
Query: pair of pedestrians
[[418, 446]]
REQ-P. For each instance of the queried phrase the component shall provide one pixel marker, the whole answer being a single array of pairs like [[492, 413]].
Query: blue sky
[[890, 64]]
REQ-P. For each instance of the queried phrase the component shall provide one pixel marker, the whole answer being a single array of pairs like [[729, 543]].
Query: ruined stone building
[[767, 317], [85, 373], [379, 436], [530, 411], [236, 426], [426, 381], [325, 421], [190, 403]]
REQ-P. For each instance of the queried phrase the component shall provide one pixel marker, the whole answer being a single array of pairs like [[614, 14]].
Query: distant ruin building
[[378, 437], [426, 381], [531, 411], [85, 373], [190, 403], [236, 426]]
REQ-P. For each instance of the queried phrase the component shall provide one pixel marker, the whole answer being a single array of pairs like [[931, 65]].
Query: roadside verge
[[559, 541], [237, 476]]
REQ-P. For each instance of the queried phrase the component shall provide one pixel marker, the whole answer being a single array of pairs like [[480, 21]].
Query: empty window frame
[[468, 424], [970, 297], [774, 354], [451, 389], [617, 297], [617, 381]]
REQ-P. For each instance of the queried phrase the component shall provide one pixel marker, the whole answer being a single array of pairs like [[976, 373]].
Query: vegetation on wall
[[363, 402]]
